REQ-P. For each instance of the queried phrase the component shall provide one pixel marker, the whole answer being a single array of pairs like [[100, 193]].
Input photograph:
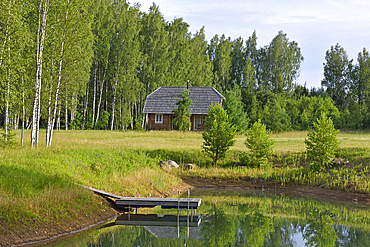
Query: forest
[[89, 64]]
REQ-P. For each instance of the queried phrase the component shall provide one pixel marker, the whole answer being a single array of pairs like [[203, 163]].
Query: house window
[[199, 122], [158, 118]]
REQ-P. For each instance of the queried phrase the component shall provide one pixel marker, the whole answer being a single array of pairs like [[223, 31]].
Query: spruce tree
[[182, 113], [235, 108], [322, 140]]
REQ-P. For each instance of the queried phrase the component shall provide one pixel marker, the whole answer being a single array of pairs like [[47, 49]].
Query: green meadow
[[39, 185]]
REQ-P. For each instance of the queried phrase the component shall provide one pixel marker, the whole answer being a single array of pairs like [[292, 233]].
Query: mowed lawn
[[175, 140]]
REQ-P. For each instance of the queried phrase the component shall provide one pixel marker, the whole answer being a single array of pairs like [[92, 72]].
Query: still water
[[238, 217]]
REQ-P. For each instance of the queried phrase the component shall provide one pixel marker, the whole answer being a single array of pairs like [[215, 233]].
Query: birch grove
[[89, 64]]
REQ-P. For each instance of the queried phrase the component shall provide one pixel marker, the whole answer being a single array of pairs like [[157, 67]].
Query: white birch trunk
[[120, 113], [73, 110], [51, 127], [7, 102], [58, 121], [100, 96], [106, 69], [66, 113], [6, 34], [114, 95], [23, 113], [49, 111], [94, 99], [106, 96], [43, 10], [132, 117], [85, 112]]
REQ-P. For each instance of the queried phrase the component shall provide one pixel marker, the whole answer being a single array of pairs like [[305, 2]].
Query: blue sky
[[315, 24]]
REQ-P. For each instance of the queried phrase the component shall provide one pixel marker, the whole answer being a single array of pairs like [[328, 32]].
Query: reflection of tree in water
[[320, 232], [284, 231], [219, 229], [351, 237], [256, 228]]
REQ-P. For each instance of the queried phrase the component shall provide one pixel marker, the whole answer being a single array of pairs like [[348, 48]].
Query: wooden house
[[159, 106]]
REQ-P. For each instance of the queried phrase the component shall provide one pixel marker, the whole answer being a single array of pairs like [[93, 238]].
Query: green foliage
[[322, 141], [76, 123], [279, 64], [7, 139], [235, 109], [219, 135], [182, 113], [219, 229], [275, 116], [138, 124], [336, 74], [259, 142], [103, 121], [219, 51]]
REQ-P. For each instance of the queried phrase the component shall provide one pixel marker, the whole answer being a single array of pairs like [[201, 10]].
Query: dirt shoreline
[[310, 191], [58, 232]]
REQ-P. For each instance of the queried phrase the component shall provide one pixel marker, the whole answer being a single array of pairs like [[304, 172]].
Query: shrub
[[259, 142], [219, 135], [322, 141]]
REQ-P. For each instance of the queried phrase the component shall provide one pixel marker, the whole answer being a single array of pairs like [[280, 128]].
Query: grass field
[[38, 185], [174, 140]]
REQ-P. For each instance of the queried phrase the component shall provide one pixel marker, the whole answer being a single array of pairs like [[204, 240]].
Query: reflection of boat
[[162, 226], [158, 220], [172, 232]]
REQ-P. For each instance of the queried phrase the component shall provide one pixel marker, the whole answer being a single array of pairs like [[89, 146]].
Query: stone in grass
[[188, 166], [340, 161], [164, 164], [173, 163]]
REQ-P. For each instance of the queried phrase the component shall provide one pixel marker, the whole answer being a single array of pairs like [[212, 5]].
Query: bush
[[259, 142], [219, 135], [322, 141]]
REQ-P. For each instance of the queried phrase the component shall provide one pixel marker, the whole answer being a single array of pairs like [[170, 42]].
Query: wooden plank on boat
[[102, 193], [141, 202], [149, 202]]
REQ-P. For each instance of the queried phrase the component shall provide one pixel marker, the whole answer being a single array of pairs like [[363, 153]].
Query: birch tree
[[154, 69], [127, 57], [41, 33]]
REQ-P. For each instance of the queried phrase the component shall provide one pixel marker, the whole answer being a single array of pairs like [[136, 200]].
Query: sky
[[315, 25]]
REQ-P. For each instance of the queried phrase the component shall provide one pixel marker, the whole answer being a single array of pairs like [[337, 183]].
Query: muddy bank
[[315, 192]]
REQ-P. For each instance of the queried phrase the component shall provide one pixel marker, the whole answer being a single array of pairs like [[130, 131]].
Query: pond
[[238, 217]]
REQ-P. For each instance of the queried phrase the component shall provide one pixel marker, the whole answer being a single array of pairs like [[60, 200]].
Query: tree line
[[89, 64]]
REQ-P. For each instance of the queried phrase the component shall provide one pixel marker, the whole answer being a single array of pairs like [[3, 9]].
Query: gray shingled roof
[[163, 100]]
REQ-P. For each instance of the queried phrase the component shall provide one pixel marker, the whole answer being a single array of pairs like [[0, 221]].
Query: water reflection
[[240, 218]]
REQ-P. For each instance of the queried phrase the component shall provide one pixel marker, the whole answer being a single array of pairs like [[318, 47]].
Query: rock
[[173, 163], [164, 164], [338, 161], [188, 166]]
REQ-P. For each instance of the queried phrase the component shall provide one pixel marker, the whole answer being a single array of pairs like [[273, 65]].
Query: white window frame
[[158, 118]]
